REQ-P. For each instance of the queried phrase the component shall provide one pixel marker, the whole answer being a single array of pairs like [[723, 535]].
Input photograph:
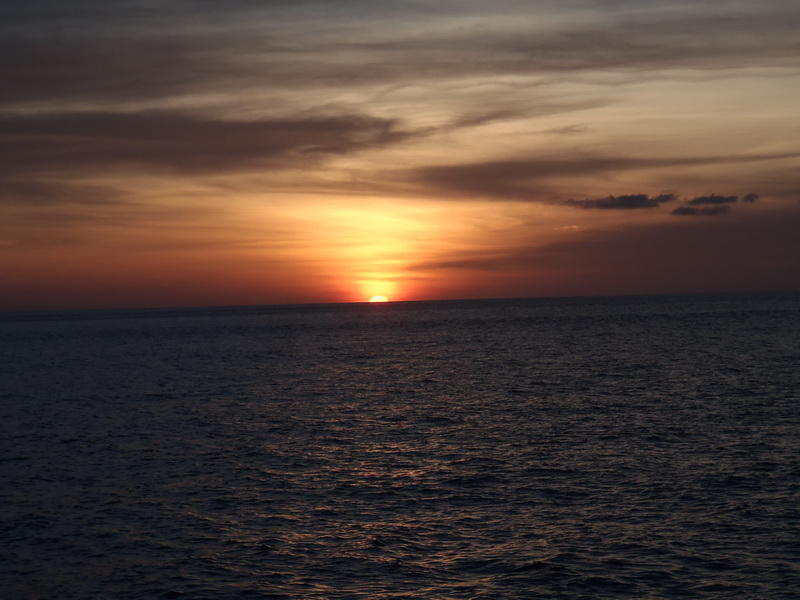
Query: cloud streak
[[713, 199], [180, 143], [624, 202], [41, 194], [705, 211], [528, 180]]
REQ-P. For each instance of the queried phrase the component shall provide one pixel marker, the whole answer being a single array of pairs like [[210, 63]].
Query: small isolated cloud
[[711, 205], [624, 202], [569, 130]]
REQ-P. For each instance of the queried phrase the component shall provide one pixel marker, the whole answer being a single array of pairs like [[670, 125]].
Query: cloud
[[706, 211], [169, 142], [707, 206], [712, 199], [710, 206], [40, 194], [485, 118], [120, 70], [528, 180], [625, 202], [520, 180], [128, 51], [759, 251], [569, 130]]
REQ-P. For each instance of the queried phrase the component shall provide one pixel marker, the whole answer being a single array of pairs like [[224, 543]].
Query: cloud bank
[[169, 142]]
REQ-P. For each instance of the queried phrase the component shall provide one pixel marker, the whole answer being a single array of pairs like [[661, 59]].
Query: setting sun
[[379, 299]]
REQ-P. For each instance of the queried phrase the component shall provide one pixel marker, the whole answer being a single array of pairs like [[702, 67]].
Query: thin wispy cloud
[[624, 202]]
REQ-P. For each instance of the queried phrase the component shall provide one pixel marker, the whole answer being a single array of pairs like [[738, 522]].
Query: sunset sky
[[188, 153]]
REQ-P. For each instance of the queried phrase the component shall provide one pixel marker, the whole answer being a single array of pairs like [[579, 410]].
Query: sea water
[[636, 447]]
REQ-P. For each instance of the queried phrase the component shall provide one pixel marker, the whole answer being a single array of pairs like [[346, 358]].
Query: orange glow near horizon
[[379, 299], [372, 288], [366, 251]]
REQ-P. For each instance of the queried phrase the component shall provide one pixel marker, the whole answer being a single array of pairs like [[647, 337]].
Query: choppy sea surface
[[632, 447]]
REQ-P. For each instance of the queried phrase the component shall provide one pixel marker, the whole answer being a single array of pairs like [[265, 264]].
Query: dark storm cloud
[[158, 141], [624, 202]]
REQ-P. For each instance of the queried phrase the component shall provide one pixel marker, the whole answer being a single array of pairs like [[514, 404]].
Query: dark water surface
[[639, 447]]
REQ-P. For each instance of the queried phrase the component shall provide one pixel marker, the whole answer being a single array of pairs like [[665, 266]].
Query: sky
[[207, 153]]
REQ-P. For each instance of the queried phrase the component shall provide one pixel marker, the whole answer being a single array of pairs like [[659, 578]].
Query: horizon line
[[221, 307]]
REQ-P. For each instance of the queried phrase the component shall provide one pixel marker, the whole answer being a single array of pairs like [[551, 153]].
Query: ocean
[[630, 447]]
